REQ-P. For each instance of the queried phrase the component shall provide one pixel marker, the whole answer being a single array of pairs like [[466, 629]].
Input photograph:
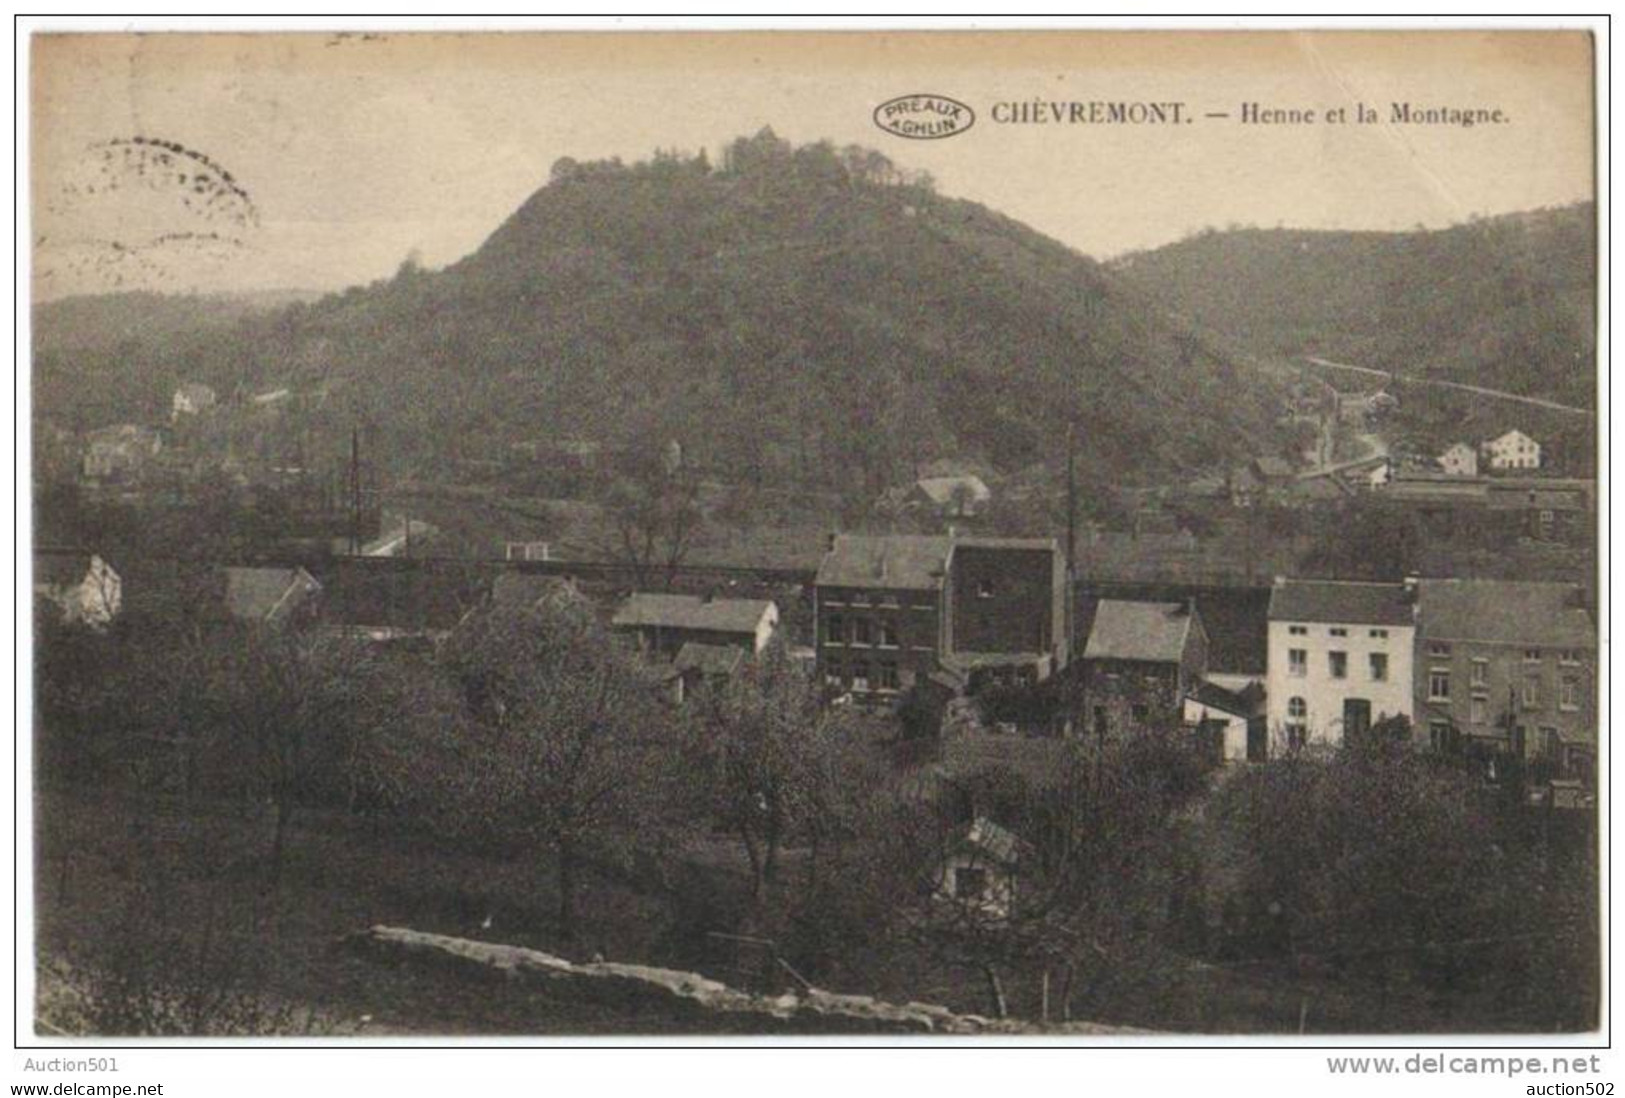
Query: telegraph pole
[[355, 490]]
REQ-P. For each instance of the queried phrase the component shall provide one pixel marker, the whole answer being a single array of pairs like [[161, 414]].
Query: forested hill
[[1507, 302], [103, 320], [810, 316]]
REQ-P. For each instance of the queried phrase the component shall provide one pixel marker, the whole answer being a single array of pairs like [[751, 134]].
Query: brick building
[[1510, 665], [895, 610]]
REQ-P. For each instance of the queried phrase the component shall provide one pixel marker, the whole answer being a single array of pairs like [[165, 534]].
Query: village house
[[662, 624], [1006, 601], [1461, 460], [82, 585], [879, 612], [980, 868], [700, 666], [1340, 659], [961, 496], [270, 596], [1513, 450], [192, 399], [894, 610], [118, 453], [1141, 660], [1228, 725], [1511, 665]]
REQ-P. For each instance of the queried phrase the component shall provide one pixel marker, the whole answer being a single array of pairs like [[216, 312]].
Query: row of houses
[[1509, 666]]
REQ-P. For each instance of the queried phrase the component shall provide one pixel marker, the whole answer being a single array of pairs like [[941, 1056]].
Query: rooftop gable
[[1505, 612], [1153, 632], [647, 610], [1341, 601], [890, 562]]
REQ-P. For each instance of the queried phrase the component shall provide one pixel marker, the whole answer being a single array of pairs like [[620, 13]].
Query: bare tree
[[756, 741], [564, 725], [654, 506]]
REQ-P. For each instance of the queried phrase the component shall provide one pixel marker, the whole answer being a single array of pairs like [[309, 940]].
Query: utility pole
[[355, 490], [1071, 538]]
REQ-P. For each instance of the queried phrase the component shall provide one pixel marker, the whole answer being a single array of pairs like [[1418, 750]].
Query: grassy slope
[[345, 874]]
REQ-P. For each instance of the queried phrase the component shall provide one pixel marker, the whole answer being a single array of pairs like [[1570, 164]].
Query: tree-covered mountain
[[811, 316], [100, 320], [1507, 302]]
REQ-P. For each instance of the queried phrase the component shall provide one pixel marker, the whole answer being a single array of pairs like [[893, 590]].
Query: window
[[1568, 655], [1297, 662], [1438, 648], [1297, 722], [1551, 744], [1479, 709], [860, 598], [1439, 737], [984, 588], [1531, 692], [1339, 631], [834, 672], [886, 676], [1568, 692], [1338, 664], [1140, 714], [1531, 655], [860, 676], [1379, 667], [1298, 630], [970, 884], [1379, 634], [1481, 672], [888, 634], [1438, 685], [860, 632], [835, 630]]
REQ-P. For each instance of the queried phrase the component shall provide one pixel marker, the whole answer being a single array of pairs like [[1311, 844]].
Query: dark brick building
[[893, 611]]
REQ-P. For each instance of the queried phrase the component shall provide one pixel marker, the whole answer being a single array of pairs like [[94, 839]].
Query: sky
[[346, 154]]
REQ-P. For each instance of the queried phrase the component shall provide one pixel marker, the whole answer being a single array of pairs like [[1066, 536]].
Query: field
[[158, 894]]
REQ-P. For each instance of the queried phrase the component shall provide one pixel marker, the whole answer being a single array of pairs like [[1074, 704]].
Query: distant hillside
[[811, 316], [103, 320], [1508, 303]]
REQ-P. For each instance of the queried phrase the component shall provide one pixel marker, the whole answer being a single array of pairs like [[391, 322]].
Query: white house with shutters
[[1341, 659], [1461, 460], [1513, 450]]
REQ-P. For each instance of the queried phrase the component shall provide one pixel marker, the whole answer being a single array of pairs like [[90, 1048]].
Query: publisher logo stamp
[[924, 117]]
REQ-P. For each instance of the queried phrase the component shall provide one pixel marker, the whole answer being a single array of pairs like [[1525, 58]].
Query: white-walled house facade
[[1341, 659], [1513, 450], [1461, 460]]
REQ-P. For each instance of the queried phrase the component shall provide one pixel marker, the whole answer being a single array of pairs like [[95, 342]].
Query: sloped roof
[[1225, 701], [1235, 619], [708, 659], [1340, 601], [1150, 631], [1505, 611], [941, 490], [267, 594], [997, 842], [525, 589], [895, 561], [646, 610]]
